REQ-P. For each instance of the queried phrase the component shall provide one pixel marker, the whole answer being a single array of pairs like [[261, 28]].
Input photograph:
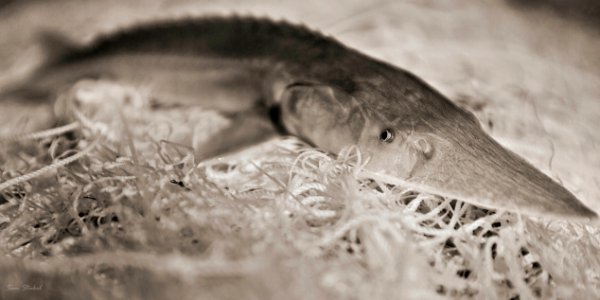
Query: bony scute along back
[[316, 88]]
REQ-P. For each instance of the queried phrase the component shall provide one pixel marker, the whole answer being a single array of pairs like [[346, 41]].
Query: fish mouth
[[474, 168]]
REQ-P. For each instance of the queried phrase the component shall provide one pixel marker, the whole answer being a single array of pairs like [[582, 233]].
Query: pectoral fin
[[245, 129]]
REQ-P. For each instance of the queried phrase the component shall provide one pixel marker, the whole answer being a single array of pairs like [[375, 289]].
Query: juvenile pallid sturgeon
[[321, 91]]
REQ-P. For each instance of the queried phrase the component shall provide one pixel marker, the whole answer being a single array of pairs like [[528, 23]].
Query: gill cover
[[322, 115]]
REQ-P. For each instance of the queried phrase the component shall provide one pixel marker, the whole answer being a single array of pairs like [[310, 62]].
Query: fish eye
[[387, 135]]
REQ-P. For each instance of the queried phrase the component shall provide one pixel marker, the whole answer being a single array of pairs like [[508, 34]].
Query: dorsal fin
[[56, 45]]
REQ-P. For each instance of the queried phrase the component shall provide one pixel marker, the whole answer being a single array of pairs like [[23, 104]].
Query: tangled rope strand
[[55, 165], [41, 134], [82, 121]]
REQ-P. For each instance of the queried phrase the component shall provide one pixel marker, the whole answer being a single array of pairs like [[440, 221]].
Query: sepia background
[[530, 70]]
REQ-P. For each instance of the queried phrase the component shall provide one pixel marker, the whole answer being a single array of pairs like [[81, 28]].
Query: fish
[[275, 77]]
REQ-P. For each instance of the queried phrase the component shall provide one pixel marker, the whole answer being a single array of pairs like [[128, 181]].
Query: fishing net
[[117, 200]]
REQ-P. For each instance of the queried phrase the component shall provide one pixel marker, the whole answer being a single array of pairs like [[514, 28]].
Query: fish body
[[321, 91]]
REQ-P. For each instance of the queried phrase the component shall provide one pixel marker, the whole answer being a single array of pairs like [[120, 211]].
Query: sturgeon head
[[412, 132]]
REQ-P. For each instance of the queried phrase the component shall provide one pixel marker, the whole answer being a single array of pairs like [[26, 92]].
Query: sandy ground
[[531, 76]]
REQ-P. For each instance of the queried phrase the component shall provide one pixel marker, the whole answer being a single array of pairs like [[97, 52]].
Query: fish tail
[[55, 47]]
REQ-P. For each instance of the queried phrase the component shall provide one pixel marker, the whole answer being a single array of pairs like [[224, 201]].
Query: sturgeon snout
[[426, 141], [474, 168]]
